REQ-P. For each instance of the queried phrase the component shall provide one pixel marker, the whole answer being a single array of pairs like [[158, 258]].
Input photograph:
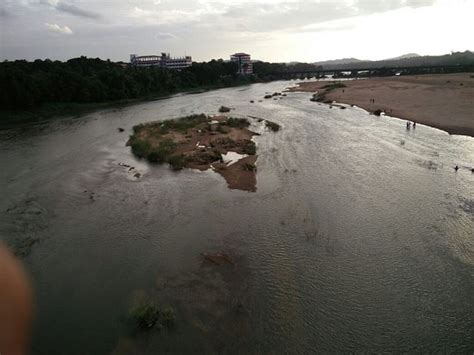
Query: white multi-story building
[[163, 61], [244, 63]]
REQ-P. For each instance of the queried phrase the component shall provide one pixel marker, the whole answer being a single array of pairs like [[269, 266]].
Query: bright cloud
[[61, 29]]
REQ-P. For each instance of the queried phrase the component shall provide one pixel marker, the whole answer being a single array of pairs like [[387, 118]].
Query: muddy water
[[359, 237]]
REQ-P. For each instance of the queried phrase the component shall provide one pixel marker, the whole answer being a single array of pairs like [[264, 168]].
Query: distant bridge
[[423, 69]]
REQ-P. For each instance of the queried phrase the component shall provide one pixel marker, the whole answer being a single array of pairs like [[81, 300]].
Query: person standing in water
[[414, 124]]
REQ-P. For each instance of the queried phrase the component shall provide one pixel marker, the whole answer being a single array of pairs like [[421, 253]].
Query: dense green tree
[[26, 85]]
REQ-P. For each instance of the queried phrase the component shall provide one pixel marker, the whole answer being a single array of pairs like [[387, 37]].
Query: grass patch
[[237, 122], [162, 153], [333, 86], [275, 127], [140, 148], [250, 148], [182, 124], [177, 162], [150, 315]]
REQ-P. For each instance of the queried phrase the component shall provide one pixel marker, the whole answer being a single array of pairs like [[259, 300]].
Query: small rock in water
[[223, 109], [120, 129]]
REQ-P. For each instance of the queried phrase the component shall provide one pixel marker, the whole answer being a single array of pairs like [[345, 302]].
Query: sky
[[270, 30]]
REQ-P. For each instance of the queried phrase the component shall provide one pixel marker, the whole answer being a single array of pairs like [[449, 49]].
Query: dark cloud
[[4, 13], [70, 9], [7, 12], [76, 11]]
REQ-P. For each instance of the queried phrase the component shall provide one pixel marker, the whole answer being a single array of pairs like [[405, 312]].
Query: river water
[[359, 237]]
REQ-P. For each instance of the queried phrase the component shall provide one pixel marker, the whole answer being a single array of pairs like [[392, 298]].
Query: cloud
[[165, 35], [292, 15], [171, 15], [370, 6], [70, 9], [4, 13], [56, 28], [76, 11], [139, 12]]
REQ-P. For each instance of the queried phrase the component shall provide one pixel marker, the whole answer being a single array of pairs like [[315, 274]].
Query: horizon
[[281, 31], [409, 55]]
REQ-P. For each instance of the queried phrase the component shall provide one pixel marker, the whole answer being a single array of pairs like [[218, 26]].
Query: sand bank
[[444, 101]]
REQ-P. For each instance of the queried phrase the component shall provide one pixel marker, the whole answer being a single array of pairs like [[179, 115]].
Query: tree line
[[26, 85]]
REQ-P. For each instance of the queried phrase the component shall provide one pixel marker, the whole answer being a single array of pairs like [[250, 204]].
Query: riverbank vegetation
[[45, 88]]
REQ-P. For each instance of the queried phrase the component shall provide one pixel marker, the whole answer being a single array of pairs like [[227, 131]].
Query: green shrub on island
[[250, 148], [177, 162], [275, 127], [140, 148], [237, 122], [161, 154], [150, 315]]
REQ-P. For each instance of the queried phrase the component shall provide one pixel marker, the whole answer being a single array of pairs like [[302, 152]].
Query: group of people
[[410, 124], [456, 168]]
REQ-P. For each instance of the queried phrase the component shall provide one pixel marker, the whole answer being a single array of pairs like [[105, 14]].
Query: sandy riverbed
[[444, 101]]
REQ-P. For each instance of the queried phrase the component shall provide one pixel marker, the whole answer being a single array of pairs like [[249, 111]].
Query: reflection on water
[[353, 240]]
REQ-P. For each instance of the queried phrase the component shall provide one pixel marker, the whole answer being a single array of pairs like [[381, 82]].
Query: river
[[358, 239]]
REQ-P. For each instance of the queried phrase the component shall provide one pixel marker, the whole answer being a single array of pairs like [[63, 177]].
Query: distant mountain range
[[338, 61], [405, 56], [406, 60], [344, 61]]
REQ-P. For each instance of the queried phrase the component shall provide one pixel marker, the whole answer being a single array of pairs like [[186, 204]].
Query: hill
[[408, 60]]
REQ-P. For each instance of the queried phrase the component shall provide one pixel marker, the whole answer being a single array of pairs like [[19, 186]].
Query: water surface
[[359, 237]]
